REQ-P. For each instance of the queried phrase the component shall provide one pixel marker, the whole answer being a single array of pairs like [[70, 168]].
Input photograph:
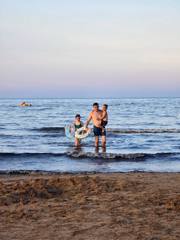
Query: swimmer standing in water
[[77, 125], [95, 116]]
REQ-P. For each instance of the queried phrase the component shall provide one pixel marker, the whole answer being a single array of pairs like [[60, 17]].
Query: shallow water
[[142, 135]]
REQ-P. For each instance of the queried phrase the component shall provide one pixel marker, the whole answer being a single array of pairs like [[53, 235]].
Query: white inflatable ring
[[82, 133], [70, 131]]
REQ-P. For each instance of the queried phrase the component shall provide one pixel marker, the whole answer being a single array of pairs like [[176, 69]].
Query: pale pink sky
[[89, 48]]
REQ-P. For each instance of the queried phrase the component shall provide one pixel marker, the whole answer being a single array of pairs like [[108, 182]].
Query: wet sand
[[90, 206]]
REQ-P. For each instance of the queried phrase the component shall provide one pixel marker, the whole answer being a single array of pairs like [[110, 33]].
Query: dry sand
[[90, 206]]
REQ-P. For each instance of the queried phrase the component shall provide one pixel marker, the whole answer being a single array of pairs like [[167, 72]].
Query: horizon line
[[89, 97]]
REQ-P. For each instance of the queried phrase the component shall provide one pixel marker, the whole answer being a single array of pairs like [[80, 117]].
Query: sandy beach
[[90, 206]]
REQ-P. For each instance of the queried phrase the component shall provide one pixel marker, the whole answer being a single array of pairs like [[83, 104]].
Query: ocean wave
[[10, 136], [115, 130], [91, 155], [141, 131], [120, 156], [29, 154], [49, 129]]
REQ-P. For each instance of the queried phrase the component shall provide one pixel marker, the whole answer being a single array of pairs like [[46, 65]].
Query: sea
[[143, 135]]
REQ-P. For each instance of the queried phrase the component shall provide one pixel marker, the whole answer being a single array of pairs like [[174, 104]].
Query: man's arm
[[88, 120]]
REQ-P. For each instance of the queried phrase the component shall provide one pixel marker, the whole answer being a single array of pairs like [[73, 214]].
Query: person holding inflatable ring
[[77, 125]]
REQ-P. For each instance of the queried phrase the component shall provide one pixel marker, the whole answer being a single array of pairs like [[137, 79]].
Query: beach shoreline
[[41, 205]]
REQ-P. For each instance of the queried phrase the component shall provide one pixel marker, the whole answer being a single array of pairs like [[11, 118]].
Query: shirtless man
[[95, 115]]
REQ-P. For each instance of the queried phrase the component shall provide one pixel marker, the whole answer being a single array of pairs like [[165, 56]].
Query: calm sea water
[[143, 135]]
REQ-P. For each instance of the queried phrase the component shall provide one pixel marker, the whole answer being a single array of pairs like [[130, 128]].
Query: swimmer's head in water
[[95, 106]]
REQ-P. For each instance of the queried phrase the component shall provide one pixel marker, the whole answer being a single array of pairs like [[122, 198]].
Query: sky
[[96, 48]]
